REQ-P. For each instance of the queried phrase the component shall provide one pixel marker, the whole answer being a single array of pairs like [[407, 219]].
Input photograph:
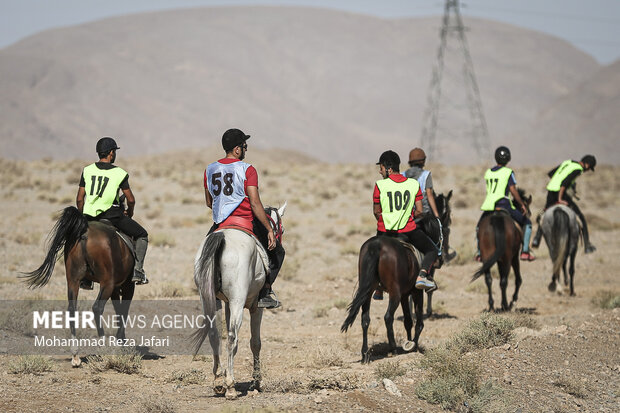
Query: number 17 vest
[[397, 202], [226, 186]]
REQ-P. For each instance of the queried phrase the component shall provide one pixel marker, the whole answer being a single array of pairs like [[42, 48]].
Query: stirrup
[[268, 302], [139, 278]]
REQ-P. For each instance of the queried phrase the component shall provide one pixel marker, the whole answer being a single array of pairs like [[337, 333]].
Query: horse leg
[[214, 340], [488, 280], [105, 292], [572, 271], [418, 306], [516, 267], [407, 321], [255, 320], [504, 271], [389, 321], [235, 312], [121, 299], [565, 273], [365, 324], [73, 288], [429, 296]]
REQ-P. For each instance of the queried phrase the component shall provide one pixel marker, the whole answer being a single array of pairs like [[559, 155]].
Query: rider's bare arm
[[259, 212], [131, 201], [208, 198], [431, 201], [79, 199], [376, 210], [517, 197], [417, 213]]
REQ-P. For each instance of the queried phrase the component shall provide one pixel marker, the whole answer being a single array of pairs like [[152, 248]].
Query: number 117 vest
[[226, 186]]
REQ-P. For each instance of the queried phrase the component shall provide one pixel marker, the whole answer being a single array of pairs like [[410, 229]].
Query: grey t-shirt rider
[[415, 172]]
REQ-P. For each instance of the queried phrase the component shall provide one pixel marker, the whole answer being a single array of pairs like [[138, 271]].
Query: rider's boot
[[588, 246], [527, 233], [378, 295], [138, 272], [267, 298], [424, 282]]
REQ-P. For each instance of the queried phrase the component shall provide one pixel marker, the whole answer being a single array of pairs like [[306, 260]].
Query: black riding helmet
[[590, 160], [390, 159], [502, 155], [105, 145]]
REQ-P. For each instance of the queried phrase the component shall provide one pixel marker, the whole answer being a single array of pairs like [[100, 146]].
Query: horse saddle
[[411, 248], [262, 253], [504, 212], [129, 241]]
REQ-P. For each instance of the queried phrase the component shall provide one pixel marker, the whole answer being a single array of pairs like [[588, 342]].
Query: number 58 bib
[[226, 186]]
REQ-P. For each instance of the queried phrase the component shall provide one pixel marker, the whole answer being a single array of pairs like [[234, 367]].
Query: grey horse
[[561, 231]]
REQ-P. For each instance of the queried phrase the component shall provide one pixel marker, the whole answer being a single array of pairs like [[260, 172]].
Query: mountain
[[583, 121], [334, 85]]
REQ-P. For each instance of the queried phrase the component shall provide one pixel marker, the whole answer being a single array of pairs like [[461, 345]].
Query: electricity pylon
[[453, 24]]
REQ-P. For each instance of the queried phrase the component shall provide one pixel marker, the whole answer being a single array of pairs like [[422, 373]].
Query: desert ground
[[561, 356]]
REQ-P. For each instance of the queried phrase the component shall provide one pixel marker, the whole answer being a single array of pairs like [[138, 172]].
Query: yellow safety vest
[[101, 187], [566, 168], [497, 182], [397, 201]]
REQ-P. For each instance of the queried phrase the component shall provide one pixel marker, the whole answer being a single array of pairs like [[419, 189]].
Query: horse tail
[[368, 276], [67, 231], [497, 222], [561, 237], [206, 272]]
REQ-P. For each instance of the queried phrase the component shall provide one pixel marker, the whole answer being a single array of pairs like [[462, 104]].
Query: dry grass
[[33, 364], [191, 376], [128, 362], [389, 370], [157, 406], [162, 240], [607, 299], [571, 386]]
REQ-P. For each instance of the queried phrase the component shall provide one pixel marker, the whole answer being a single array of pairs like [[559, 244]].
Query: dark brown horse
[[93, 251], [387, 261], [500, 242]]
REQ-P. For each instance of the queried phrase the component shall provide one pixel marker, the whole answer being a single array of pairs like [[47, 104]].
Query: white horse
[[561, 231], [232, 266]]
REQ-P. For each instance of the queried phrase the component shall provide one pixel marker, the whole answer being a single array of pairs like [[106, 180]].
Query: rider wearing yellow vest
[[563, 177], [97, 199], [500, 182], [397, 200]]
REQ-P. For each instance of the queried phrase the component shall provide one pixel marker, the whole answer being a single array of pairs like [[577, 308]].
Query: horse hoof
[[219, 390], [76, 361], [551, 287], [231, 394], [255, 386], [408, 346]]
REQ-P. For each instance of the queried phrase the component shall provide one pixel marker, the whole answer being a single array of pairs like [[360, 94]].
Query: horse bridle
[[277, 227]]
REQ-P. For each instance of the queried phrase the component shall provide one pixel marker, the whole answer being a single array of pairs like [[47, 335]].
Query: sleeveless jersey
[[566, 168], [101, 186], [226, 186], [397, 201], [497, 183]]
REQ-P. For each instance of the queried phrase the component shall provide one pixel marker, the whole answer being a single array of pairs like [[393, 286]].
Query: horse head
[[527, 200], [443, 208], [275, 219]]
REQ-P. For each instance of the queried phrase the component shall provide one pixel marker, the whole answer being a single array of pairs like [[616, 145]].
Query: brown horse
[[93, 251], [387, 261]]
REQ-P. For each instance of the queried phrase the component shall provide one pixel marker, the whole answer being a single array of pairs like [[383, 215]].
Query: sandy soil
[[307, 363]]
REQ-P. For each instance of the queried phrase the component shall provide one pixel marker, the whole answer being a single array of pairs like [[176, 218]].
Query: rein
[[277, 227]]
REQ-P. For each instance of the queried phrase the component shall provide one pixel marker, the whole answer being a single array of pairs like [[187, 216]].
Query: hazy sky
[[591, 25]]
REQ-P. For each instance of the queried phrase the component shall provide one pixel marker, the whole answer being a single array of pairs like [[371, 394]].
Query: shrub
[[128, 362], [157, 406], [450, 380], [488, 331], [191, 376], [162, 240], [30, 365], [389, 370], [571, 386], [607, 299]]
